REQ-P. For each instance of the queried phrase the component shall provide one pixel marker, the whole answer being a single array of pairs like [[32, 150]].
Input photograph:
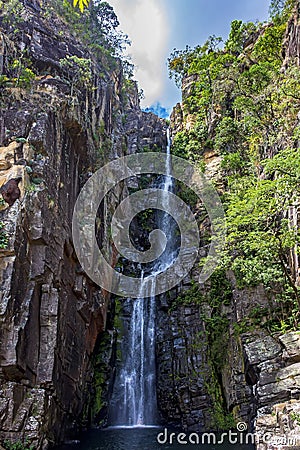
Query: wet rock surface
[[183, 368]]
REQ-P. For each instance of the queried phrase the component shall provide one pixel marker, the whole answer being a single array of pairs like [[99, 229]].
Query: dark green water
[[141, 439]]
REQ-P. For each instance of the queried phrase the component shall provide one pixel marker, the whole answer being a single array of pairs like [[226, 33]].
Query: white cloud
[[146, 23]]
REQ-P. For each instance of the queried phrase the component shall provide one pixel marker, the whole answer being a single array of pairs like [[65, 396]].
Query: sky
[[156, 27]]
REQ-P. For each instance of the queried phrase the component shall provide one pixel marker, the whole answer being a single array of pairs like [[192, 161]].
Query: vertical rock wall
[[259, 377], [183, 368], [53, 135]]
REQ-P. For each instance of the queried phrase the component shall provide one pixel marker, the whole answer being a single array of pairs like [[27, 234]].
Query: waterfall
[[133, 401]]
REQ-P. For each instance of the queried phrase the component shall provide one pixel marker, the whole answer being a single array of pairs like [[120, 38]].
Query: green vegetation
[[192, 296], [96, 26], [100, 361], [3, 236], [18, 72], [30, 188], [12, 11], [81, 4], [78, 71], [220, 418], [186, 194], [24, 75], [17, 445], [93, 23], [216, 323], [146, 220], [295, 416], [244, 108], [212, 302]]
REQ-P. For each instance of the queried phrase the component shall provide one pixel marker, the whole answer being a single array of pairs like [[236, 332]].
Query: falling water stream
[[133, 401], [134, 396], [133, 410]]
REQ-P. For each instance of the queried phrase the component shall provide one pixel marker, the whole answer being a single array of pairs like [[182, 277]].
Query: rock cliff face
[[183, 369], [259, 376], [144, 131], [291, 47], [54, 132]]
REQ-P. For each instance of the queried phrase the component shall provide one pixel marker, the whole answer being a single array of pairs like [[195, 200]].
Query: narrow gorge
[[203, 357]]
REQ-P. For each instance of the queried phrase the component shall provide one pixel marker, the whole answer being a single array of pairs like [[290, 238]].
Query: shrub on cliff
[[17, 446], [245, 109]]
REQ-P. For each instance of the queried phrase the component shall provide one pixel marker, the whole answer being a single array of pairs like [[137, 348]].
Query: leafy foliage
[[281, 9], [12, 12], [17, 446], [244, 108], [3, 236], [239, 35], [78, 69], [81, 4], [19, 71], [96, 25]]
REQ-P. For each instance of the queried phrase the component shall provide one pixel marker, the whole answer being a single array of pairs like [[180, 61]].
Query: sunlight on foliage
[[81, 4], [243, 107]]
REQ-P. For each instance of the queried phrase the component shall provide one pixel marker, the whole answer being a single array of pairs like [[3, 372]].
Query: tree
[[245, 108], [281, 9], [103, 24], [239, 35]]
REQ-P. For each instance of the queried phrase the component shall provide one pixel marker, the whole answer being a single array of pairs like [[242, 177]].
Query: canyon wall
[[61, 119], [57, 127], [217, 368]]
